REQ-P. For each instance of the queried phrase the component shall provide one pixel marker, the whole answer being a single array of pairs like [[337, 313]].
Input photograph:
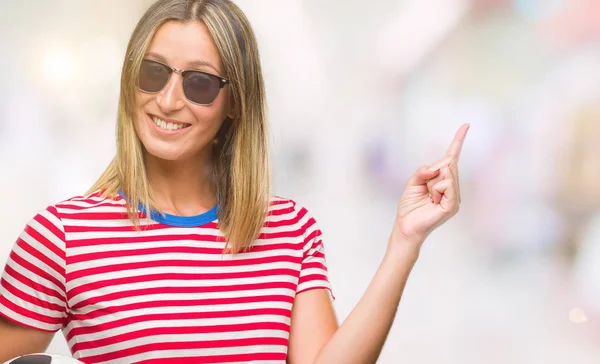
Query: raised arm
[[430, 198]]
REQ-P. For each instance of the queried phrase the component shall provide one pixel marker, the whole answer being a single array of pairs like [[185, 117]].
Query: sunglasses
[[199, 87]]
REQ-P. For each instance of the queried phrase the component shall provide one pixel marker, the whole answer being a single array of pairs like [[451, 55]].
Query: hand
[[431, 196]]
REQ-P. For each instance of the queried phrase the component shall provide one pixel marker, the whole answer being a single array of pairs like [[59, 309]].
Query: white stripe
[[43, 250], [308, 271], [181, 283], [42, 230], [166, 354], [313, 284], [68, 209], [101, 223], [164, 309], [34, 293], [250, 334], [75, 251], [132, 233], [150, 324], [95, 199], [54, 221], [207, 295], [191, 258], [31, 307], [26, 320], [188, 297], [184, 269], [35, 261]]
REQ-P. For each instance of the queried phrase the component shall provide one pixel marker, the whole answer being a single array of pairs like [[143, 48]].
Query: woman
[[179, 254]]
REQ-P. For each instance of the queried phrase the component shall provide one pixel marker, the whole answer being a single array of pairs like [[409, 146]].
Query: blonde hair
[[241, 162]]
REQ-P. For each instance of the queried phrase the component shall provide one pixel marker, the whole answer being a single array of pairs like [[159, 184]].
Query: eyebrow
[[193, 64]]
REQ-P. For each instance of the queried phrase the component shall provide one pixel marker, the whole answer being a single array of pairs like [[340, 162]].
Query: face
[[170, 126]]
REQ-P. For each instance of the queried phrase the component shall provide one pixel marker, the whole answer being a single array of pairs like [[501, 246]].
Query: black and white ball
[[43, 359]]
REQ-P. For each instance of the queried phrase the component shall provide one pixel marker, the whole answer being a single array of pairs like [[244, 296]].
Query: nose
[[171, 97]]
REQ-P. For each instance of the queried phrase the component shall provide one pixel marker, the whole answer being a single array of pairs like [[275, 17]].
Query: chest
[[145, 297]]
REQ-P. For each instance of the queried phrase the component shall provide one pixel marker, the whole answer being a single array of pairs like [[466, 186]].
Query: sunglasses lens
[[200, 88], [153, 76]]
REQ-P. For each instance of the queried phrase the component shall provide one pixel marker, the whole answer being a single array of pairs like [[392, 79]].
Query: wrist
[[404, 249]]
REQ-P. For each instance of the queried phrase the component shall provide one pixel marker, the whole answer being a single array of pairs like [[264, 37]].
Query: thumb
[[423, 174]]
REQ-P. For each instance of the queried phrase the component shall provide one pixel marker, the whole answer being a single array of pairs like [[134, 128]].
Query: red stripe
[[280, 201], [120, 214], [180, 263], [281, 234], [315, 264], [68, 205], [312, 277], [54, 230], [36, 301], [82, 330], [90, 198], [35, 270], [142, 239], [87, 257], [127, 228], [100, 285], [212, 329], [34, 285], [29, 314], [314, 235], [45, 260], [287, 210], [197, 345], [289, 222], [267, 299], [308, 225], [180, 290], [12, 319], [215, 359], [186, 330]]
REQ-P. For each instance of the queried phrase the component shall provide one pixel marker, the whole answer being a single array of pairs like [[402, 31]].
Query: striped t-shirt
[[165, 293]]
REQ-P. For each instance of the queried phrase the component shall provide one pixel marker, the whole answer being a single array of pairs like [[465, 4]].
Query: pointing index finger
[[457, 142]]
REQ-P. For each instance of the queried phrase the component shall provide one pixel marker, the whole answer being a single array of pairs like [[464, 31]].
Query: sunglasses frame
[[222, 80]]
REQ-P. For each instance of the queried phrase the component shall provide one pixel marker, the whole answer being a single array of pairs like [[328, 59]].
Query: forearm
[[362, 335]]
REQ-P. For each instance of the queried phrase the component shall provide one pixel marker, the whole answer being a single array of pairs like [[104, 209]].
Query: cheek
[[141, 100], [211, 116]]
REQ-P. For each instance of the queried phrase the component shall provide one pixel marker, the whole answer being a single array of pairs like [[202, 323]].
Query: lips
[[167, 127], [168, 124]]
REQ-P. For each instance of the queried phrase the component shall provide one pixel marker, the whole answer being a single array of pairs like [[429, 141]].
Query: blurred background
[[361, 94]]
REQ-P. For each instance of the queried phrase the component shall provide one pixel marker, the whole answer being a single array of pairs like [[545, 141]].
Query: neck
[[183, 188]]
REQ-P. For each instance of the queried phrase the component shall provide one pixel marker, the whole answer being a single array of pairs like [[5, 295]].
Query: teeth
[[167, 126]]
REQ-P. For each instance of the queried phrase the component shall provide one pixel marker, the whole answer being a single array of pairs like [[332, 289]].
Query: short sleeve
[[32, 287], [313, 273]]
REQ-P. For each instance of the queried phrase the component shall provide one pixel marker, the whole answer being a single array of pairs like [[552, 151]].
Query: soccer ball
[[43, 359]]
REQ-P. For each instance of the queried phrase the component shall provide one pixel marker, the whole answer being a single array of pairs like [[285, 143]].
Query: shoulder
[[96, 202], [281, 206], [57, 215], [285, 212], [45, 232]]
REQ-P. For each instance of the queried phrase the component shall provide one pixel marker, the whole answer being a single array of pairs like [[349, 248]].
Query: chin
[[168, 153]]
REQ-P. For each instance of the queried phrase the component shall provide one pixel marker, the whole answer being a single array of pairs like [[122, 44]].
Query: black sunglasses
[[199, 87]]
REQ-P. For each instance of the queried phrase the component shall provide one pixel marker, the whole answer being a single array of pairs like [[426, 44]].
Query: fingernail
[[433, 168]]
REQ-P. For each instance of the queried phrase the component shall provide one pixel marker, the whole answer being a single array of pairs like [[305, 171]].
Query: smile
[[166, 125]]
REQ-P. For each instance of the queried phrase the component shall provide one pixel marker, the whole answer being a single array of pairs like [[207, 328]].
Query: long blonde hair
[[241, 160]]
